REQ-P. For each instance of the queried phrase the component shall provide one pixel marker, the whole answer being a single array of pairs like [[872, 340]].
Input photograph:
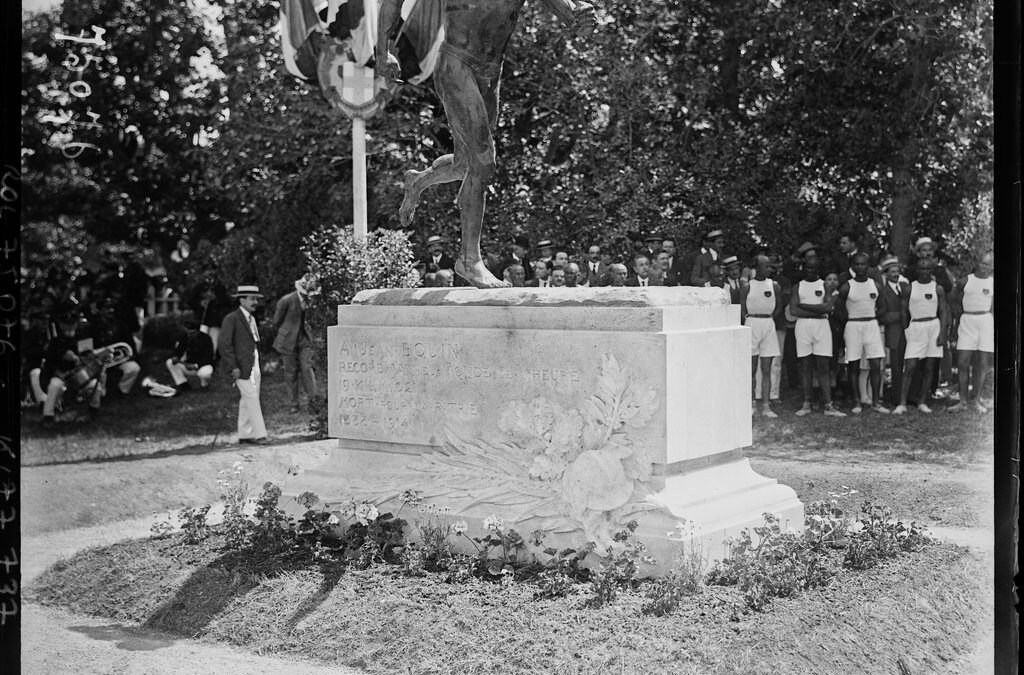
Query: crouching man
[[61, 359], [191, 366]]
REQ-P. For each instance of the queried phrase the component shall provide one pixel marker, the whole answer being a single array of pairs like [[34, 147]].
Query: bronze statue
[[467, 75]]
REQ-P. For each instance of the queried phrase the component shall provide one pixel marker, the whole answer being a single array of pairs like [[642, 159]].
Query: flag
[[355, 21], [420, 32], [352, 21], [299, 22]]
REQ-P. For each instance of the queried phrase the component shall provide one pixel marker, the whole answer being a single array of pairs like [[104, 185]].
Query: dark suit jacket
[[679, 272], [588, 277], [891, 315], [236, 345], [734, 293], [631, 280], [195, 348], [287, 322], [447, 262], [699, 273], [509, 260]]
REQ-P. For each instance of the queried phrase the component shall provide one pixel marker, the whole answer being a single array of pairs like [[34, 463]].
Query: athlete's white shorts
[[764, 342], [863, 338], [921, 339], [813, 336], [976, 333]]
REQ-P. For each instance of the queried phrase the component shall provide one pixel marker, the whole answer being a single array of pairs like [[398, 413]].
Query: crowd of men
[[854, 324], [839, 326]]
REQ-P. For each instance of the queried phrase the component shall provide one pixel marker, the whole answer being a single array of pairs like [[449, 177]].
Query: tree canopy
[[777, 121]]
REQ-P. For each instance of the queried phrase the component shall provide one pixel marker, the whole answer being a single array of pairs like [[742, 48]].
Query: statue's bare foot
[[477, 274], [411, 199]]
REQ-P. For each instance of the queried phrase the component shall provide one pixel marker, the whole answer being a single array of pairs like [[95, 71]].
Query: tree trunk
[[905, 199]]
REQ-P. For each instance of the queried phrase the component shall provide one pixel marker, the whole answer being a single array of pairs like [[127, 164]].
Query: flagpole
[[358, 178]]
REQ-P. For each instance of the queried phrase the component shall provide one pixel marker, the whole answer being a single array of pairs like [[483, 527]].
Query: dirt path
[[57, 643]]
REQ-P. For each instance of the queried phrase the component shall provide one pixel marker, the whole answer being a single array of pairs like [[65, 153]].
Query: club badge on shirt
[[927, 296], [818, 293], [767, 294], [872, 295], [985, 291]]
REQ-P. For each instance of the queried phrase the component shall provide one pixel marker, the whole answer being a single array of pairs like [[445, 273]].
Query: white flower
[[333, 520], [855, 528], [791, 530], [460, 526], [348, 509], [493, 523], [366, 512]]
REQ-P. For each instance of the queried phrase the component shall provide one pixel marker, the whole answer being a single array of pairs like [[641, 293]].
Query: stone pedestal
[[570, 411]]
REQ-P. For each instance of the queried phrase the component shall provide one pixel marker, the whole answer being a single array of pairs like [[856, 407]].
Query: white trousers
[[180, 374], [37, 389], [776, 371], [56, 388], [129, 374], [250, 415]]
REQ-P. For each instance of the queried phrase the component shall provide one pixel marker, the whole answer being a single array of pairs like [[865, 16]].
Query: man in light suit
[[239, 355], [294, 340]]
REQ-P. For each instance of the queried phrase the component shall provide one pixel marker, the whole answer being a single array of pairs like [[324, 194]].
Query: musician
[[192, 363], [65, 353], [107, 329]]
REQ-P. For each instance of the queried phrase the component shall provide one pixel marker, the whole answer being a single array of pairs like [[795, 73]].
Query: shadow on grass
[[229, 577]]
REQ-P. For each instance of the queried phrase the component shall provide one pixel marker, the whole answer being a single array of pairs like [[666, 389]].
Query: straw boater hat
[[713, 234], [804, 248], [435, 239], [652, 236], [309, 284], [731, 260], [888, 262], [545, 244], [247, 290], [924, 241]]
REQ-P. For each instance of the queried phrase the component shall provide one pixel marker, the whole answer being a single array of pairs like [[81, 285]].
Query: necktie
[[252, 328], [643, 282]]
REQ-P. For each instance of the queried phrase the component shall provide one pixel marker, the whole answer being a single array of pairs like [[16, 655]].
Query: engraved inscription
[[412, 385]]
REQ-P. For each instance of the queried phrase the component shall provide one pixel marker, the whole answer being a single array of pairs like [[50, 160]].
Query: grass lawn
[[143, 425], [923, 612]]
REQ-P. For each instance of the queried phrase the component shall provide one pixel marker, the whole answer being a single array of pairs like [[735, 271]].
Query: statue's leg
[[443, 170], [469, 116]]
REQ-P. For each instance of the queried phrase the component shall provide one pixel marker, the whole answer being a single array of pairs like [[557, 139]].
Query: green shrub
[[383, 260], [876, 536], [780, 565], [619, 568]]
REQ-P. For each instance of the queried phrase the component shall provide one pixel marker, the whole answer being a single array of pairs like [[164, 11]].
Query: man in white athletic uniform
[[811, 304], [861, 297], [971, 304], [760, 303], [925, 305]]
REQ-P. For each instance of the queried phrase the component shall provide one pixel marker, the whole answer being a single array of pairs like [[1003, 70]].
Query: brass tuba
[[93, 365]]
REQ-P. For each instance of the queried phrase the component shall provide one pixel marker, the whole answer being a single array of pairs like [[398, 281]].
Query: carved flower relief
[[596, 481], [562, 469]]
